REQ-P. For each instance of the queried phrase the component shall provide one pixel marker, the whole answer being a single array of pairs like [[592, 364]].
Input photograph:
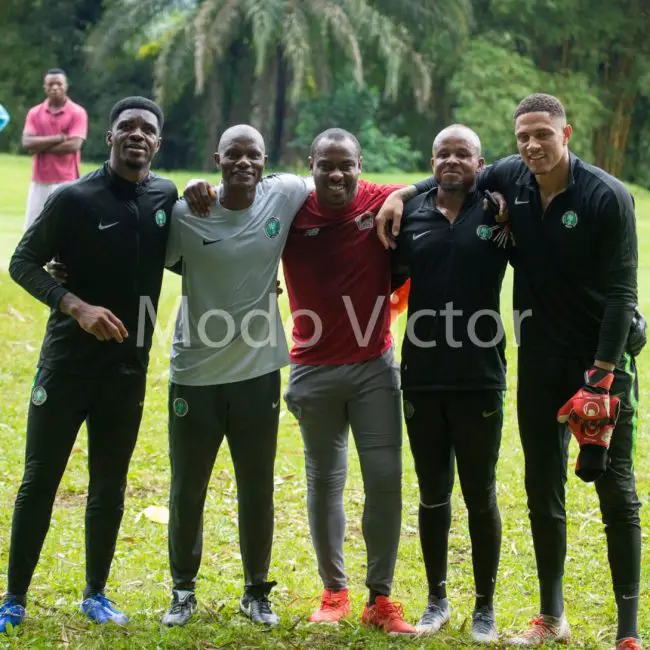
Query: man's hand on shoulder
[[199, 195]]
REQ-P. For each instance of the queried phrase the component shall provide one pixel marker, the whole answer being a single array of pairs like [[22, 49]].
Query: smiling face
[[542, 141], [134, 139], [456, 159], [242, 159], [336, 167]]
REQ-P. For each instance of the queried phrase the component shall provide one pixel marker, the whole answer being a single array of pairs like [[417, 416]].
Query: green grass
[[140, 578]]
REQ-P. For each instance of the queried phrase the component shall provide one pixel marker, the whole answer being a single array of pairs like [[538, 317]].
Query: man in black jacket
[[575, 289], [453, 367], [94, 358]]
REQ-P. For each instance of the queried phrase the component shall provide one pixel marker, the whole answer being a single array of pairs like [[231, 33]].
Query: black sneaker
[[182, 607], [255, 604], [434, 617], [484, 626]]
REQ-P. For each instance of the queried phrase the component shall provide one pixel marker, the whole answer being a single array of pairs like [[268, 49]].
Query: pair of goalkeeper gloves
[[591, 414]]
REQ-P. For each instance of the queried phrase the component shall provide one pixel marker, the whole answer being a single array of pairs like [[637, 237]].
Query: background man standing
[[54, 133]]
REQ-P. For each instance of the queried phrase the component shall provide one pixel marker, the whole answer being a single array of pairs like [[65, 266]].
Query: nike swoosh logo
[[275, 404], [106, 226], [421, 234], [487, 414], [518, 202], [207, 242], [629, 597]]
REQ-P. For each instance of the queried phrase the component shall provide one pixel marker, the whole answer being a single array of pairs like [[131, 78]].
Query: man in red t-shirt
[[343, 371], [344, 374], [54, 133]]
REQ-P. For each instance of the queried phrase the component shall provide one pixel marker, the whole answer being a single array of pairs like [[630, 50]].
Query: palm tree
[[291, 45]]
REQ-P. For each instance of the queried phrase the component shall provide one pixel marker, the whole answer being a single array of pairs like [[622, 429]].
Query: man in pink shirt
[[54, 133]]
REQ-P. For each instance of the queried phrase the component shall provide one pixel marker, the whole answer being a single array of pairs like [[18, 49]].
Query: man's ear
[[217, 159], [481, 163], [158, 143], [109, 138], [310, 160], [567, 132], [360, 163]]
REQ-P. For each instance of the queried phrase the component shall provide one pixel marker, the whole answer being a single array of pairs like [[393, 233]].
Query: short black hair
[[540, 103], [55, 71], [338, 135], [136, 102]]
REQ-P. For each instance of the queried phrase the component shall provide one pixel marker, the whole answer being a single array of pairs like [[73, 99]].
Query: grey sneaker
[[434, 617], [182, 607], [484, 627], [544, 629], [255, 604]]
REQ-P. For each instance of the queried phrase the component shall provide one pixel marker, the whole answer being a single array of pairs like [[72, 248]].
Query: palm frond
[[265, 17], [213, 28], [344, 33], [127, 20], [295, 42]]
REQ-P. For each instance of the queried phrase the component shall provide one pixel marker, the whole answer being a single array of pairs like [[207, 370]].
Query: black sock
[[372, 596], [485, 533], [549, 540], [434, 538], [89, 591], [627, 603], [21, 599]]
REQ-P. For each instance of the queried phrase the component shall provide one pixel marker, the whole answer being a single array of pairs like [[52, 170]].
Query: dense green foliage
[[395, 72]]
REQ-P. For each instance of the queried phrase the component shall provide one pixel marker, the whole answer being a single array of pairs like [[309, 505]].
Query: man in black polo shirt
[[453, 368], [575, 291], [94, 358]]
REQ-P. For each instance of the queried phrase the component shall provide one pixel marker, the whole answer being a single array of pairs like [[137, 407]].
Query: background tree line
[[392, 71]]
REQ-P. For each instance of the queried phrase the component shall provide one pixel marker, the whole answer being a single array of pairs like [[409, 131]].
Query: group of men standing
[[571, 239]]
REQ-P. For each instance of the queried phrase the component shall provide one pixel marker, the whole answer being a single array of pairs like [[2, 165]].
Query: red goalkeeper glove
[[590, 416]]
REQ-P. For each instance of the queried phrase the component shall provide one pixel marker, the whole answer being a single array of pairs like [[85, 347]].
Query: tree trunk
[[212, 117], [280, 107], [264, 99]]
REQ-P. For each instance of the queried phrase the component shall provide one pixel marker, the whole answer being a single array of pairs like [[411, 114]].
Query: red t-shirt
[[70, 119], [335, 267]]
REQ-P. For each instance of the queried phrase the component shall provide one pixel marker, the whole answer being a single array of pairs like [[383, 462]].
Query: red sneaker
[[334, 605], [387, 615], [544, 629], [628, 643]]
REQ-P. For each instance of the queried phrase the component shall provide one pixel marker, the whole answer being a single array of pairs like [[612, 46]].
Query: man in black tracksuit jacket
[[574, 296], [110, 230], [454, 368]]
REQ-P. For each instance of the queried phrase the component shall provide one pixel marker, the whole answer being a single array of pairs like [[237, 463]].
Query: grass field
[[140, 581]]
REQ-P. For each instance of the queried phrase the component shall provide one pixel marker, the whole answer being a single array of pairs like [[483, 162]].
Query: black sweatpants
[[112, 409], [247, 414], [465, 426], [545, 383]]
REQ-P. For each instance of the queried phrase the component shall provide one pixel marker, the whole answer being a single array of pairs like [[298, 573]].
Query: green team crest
[[161, 218], [484, 233], [39, 395], [570, 219], [272, 227], [180, 407]]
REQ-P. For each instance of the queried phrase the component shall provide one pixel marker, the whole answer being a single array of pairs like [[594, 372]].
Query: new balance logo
[[106, 226]]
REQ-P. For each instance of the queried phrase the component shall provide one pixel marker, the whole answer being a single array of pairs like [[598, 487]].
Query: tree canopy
[[394, 71]]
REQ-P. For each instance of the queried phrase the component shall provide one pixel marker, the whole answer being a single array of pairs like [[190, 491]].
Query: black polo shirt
[[111, 235], [455, 266], [575, 262]]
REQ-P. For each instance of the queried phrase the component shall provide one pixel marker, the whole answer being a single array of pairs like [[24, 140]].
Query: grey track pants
[[328, 401], [246, 413]]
